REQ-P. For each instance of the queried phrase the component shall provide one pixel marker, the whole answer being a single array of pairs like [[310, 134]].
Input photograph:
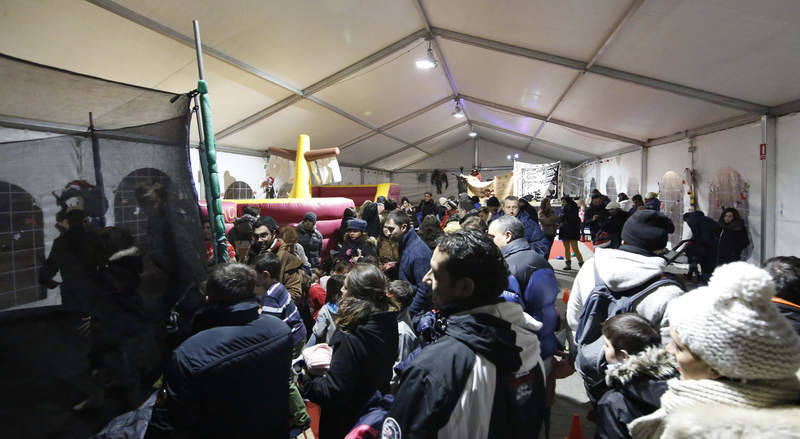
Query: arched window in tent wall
[[671, 196], [239, 190], [21, 247], [729, 189], [127, 212], [611, 188], [633, 186], [592, 185]]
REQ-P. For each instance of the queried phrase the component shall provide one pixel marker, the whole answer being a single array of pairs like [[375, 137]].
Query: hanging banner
[[282, 172], [325, 170], [501, 186], [539, 180]]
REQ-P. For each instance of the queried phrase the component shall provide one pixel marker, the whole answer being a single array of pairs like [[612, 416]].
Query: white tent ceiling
[[565, 79]]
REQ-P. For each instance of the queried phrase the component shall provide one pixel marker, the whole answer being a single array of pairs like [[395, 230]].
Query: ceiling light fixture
[[429, 62], [458, 113], [473, 134]]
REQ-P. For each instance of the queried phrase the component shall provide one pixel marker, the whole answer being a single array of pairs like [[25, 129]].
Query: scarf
[[685, 393]]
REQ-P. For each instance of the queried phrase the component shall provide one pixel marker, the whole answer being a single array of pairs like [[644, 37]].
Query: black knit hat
[[311, 216], [493, 201], [648, 230]]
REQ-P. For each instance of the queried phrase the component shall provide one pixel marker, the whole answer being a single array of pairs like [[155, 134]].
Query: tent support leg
[[768, 187]]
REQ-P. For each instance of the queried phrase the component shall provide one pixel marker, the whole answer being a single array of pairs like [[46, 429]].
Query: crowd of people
[[439, 320]]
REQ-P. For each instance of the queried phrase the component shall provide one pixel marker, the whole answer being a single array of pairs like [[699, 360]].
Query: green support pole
[[215, 203]]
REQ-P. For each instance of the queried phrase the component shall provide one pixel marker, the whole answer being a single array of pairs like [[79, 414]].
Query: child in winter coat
[[638, 369], [326, 318]]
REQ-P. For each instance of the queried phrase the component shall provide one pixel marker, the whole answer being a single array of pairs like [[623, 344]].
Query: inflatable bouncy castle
[[289, 211]]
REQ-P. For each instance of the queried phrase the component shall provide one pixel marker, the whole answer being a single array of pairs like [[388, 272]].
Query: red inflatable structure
[[289, 211]]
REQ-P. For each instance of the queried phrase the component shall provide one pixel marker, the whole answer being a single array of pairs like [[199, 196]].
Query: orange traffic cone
[[575, 429], [565, 297]]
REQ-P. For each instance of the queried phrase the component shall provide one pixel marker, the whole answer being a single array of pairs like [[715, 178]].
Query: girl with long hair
[[364, 350]]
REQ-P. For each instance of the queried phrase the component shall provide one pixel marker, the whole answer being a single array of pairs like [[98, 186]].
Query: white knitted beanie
[[734, 327]]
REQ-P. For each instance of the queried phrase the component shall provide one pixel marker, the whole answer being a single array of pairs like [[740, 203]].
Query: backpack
[[601, 305]]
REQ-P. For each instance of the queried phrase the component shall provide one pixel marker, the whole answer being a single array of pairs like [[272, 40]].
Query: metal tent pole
[[768, 186], [214, 203]]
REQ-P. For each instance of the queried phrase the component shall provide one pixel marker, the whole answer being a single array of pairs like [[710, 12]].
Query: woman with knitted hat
[[737, 358], [356, 243]]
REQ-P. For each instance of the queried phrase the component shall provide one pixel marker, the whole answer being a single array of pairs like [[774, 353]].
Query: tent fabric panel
[[446, 140], [738, 48], [501, 138], [635, 111], [297, 42], [234, 94], [426, 124], [77, 36], [526, 84], [326, 129], [367, 150], [389, 90], [520, 124], [592, 144], [400, 159], [572, 28]]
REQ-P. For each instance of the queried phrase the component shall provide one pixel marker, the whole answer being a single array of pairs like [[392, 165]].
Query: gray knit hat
[[734, 327]]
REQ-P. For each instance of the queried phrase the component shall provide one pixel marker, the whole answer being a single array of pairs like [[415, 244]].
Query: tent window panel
[[239, 190], [21, 247]]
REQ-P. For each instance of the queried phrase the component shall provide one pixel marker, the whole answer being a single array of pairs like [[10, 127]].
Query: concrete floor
[[571, 397]]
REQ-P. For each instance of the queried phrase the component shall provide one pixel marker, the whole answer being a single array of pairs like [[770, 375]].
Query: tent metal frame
[[432, 33]]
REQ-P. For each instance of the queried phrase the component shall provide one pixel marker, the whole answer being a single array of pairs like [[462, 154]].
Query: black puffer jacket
[[570, 228], [732, 239], [370, 215], [311, 240], [230, 379], [704, 233], [636, 389], [361, 364]]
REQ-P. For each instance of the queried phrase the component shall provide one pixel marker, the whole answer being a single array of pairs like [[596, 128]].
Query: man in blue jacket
[[533, 232], [415, 258], [231, 378]]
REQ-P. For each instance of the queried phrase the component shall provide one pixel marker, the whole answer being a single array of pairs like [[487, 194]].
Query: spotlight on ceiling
[[458, 113], [473, 134], [429, 62]]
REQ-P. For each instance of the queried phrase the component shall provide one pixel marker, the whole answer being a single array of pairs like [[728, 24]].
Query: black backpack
[[601, 305]]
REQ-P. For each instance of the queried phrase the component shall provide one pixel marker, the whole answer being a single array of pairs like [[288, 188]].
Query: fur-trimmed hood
[[653, 362]]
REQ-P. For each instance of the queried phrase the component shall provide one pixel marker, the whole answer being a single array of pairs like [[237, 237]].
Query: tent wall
[[623, 170], [787, 209], [736, 148]]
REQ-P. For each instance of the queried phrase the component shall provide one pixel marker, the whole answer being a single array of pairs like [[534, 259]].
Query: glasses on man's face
[[264, 235]]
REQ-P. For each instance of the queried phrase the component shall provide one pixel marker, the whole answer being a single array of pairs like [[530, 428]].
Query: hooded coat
[[370, 215], [481, 379], [570, 227], [636, 388], [622, 270], [732, 239], [311, 240]]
